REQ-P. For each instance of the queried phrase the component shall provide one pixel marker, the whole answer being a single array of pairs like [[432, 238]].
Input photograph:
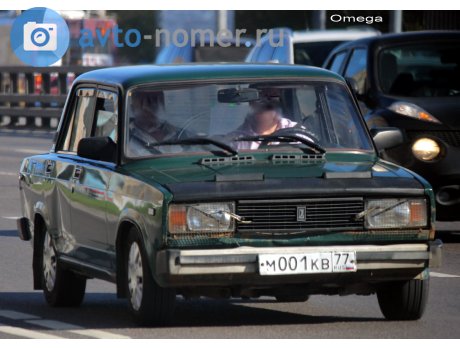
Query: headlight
[[201, 218], [410, 110], [395, 213], [426, 149]]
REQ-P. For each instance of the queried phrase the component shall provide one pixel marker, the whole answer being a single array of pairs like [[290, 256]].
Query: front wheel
[[61, 287], [404, 300], [149, 303]]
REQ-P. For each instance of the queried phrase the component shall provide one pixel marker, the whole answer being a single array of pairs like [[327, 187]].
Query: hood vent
[[297, 158], [217, 161]]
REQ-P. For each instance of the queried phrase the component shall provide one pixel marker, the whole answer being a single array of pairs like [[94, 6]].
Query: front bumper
[[235, 266]]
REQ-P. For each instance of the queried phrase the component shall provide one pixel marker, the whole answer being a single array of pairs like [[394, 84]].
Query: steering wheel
[[293, 130]]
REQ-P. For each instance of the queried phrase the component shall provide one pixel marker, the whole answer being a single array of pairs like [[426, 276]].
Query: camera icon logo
[[40, 36]]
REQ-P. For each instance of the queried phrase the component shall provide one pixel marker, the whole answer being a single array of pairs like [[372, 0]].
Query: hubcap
[[49, 263], [135, 276]]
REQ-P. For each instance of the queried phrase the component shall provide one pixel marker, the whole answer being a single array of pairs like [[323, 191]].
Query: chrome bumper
[[244, 260]]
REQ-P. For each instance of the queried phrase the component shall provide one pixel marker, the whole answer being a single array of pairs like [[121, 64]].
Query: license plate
[[292, 264]]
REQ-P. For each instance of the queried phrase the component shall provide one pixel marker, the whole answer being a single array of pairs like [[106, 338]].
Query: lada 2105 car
[[224, 181]]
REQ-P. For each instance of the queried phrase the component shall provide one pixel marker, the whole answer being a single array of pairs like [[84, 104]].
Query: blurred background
[[147, 22]]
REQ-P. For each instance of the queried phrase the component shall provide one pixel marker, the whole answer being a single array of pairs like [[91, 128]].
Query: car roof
[[331, 35], [401, 37], [135, 75]]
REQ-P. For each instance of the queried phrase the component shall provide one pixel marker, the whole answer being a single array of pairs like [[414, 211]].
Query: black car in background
[[412, 81]]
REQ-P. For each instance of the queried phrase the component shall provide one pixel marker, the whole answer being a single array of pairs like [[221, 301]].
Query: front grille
[[451, 137], [300, 215]]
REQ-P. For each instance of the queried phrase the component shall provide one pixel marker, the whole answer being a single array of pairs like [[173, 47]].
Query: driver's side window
[[106, 114], [81, 119]]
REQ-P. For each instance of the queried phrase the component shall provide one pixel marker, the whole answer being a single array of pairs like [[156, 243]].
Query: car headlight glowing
[[426, 149], [201, 218], [413, 111], [395, 213]]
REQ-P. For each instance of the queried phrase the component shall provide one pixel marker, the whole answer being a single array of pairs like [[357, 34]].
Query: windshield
[[235, 117], [421, 70]]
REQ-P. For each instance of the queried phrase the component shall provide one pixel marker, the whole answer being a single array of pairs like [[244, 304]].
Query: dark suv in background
[[412, 81]]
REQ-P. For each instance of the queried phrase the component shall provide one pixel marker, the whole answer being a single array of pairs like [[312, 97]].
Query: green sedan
[[224, 180]]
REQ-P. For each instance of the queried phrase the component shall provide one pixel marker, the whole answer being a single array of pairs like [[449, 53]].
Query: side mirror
[[97, 148], [385, 138]]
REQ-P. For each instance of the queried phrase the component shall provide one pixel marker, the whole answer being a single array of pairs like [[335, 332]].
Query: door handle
[[77, 172], [49, 167]]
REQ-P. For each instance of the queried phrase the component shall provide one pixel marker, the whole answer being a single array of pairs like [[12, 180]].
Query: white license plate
[[291, 264]]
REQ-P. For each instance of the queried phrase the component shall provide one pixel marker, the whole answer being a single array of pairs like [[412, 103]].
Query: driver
[[264, 119]]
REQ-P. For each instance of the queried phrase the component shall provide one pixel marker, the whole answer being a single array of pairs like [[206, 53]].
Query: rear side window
[[356, 69]]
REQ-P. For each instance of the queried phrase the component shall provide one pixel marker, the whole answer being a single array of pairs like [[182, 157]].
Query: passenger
[[265, 118]]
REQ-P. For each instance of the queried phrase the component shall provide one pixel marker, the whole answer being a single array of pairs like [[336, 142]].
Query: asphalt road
[[24, 313]]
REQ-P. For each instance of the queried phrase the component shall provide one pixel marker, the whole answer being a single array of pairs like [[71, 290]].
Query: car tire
[[150, 304], [404, 300], [61, 287]]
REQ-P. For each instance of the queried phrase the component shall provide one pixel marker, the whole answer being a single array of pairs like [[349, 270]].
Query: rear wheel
[[149, 303], [404, 300], [61, 287]]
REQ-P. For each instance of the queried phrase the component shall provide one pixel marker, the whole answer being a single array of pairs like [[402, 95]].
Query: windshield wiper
[[287, 135], [196, 141]]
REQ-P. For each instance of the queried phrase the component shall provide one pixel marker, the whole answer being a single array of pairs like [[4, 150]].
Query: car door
[[91, 179], [76, 124]]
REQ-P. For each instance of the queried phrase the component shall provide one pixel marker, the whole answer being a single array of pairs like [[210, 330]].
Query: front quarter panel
[[140, 204]]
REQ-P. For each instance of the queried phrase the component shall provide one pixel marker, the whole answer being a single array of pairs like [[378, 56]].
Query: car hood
[[187, 179]]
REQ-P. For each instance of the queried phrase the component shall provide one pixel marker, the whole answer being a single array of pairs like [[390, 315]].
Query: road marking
[[24, 150], [14, 315], [10, 217], [25, 333], [71, 328], [5, 173], [30, 151], [444, 275]]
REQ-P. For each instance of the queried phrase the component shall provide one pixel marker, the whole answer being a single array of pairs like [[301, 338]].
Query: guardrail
[[35, 95]]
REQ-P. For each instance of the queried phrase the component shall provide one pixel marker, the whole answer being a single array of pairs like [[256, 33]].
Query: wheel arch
[[124, 228], [39, 226]]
